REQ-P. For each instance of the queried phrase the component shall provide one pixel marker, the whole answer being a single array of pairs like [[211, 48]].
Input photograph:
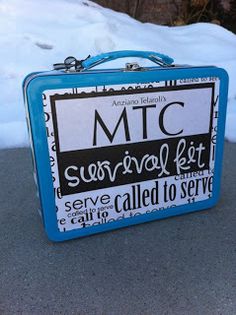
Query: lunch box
[[117, 147]]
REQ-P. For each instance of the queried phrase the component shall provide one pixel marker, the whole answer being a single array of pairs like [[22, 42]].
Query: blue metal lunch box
[[117, 147]]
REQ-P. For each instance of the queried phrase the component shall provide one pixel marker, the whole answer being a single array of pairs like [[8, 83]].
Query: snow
[[36, 34]]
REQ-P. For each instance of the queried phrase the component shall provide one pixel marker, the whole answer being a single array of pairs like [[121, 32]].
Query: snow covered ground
[[36, 34]]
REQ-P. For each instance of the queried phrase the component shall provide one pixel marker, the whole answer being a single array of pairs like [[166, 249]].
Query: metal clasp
[[70, 64], [133, 66]]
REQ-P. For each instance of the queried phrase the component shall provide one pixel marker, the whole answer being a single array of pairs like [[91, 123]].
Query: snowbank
[[36, 34]]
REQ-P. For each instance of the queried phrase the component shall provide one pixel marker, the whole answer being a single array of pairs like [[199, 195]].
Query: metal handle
[[90, 62], [157, 58]]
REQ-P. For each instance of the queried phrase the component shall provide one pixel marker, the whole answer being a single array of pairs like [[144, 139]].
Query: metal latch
[[133, 66]]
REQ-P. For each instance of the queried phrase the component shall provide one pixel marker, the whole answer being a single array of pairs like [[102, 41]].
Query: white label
[[188, 110], [121, 151]]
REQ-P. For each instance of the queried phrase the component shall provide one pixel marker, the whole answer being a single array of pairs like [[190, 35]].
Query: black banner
[[97, 168]]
